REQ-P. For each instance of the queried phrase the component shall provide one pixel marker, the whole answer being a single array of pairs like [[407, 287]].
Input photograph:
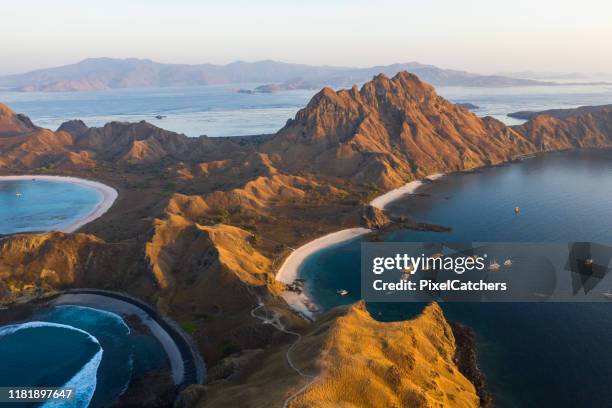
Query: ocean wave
[[84, 381], [113, 316], [84, 384]]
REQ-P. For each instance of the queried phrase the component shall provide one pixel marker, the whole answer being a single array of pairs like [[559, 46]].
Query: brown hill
[[30, 263], [394, 130], [74, 145], [580, 130], [209, 278], [12, 123], [357, 362], [388, 132]]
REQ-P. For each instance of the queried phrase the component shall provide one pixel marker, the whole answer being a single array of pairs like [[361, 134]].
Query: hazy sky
[[476, 35]]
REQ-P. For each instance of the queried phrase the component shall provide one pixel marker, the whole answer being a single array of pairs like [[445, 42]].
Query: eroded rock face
[[394, 130], [388, 132], [374, 218], [12, 123]]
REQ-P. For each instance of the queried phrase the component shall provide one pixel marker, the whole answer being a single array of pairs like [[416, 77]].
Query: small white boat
[[508, 263], [18, 194], [517, 209], [342, 292], [588, 262], [607, 295], [494, 266]]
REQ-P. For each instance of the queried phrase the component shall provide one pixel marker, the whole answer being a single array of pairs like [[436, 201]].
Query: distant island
[[99, 74], [468, 105], [560, 113]]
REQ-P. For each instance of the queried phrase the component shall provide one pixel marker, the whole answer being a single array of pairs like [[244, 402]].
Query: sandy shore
[[289, 271], [109, 195], [382, 201]]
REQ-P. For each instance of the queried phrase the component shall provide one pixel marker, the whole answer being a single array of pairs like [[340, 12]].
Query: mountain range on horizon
[[109, 73], [557, 76]]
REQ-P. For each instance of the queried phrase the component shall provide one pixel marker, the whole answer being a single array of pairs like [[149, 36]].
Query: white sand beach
[[289, 271], [382, 201], [109, 195]]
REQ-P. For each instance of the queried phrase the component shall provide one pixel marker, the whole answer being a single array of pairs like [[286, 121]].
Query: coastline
[[289, 270], [109, 195], [186, 364], [385, 199]]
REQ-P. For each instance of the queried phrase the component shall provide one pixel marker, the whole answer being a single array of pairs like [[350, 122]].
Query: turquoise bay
[[91, 350], [41, 205]]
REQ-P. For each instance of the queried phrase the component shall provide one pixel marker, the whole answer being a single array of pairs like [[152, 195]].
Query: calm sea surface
[[534, 354], [220, 110], [41, 205]]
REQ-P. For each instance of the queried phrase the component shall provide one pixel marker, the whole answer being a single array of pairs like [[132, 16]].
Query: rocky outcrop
[[11, 123], [395, 130], [389, 132], [373, 218]]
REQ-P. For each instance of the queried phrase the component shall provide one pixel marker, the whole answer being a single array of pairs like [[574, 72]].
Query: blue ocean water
[[533, 354], [40, 205], [215, 110], [90, 350], [498, 102], [219, 110]]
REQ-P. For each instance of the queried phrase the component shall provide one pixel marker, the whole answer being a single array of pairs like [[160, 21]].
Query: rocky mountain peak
[[12, 123]]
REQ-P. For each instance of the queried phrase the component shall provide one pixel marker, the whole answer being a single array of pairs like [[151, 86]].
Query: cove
[[114, 350], [533, 354], [50, 203]]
